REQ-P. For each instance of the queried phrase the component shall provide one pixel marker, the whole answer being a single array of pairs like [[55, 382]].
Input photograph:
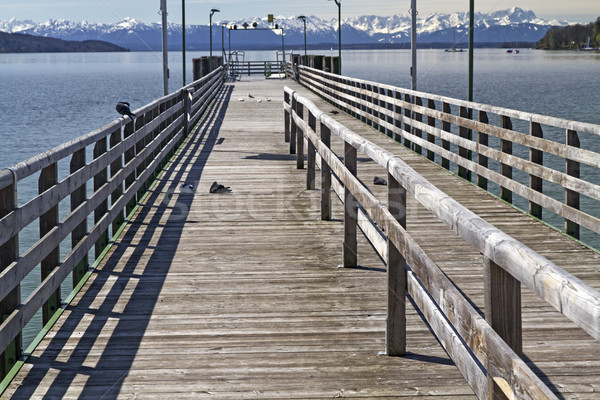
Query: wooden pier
[[270, 290]]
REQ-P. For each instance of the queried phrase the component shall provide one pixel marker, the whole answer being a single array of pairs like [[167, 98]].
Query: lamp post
[[471, 42], [163, 12], [223, 41], [303, 18], [183, 38], [214, 10], [413, 44], [339, 4]]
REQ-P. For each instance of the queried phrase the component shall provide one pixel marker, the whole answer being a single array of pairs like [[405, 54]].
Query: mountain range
[[511, 25]]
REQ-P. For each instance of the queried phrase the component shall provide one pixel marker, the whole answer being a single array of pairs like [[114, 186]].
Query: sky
[[197, 12]]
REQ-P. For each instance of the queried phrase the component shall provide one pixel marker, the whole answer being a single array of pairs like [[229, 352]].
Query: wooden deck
[[239, 295]]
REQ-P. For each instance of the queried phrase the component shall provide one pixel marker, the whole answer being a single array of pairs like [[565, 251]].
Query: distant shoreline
[[16, 43]]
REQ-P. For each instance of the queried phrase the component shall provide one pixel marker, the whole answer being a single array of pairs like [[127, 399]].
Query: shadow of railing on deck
[[125, 329]]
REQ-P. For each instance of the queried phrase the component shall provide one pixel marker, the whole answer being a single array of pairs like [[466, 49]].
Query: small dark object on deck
[[334, 112], [218, 188], [250, 96], [187, 187], [379, 181], [123, 109]]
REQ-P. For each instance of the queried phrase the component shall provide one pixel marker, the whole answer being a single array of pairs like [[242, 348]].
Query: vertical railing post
[[115, 167], [311, 153], [156, 112], [395, 342], [286, 117], [447, 128], [464, 133], [372, 107], [9, 252], [49, 178], [325, 176], [78, 196], [506, 170], [482, 160], [350, 211], [571, 196], [299, 138], [408, 115], [294, 127], [389, 113], [356, 98], [502, 312], [99, 180], [381, 106], [417, 132], [128, 157], [363, 96], [535, 182], [140, 122], [398, 117], [431, 122], [187, 110]]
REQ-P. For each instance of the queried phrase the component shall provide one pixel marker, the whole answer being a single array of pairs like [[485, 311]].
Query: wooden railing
[[265, 68], [504, 151], [486, 351], [127, 156]]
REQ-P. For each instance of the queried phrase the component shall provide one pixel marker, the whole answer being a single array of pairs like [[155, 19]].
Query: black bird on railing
[[123, 109]]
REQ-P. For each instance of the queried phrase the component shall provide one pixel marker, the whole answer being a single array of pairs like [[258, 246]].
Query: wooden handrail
[[405, 114], [499, 359], [145, 145]]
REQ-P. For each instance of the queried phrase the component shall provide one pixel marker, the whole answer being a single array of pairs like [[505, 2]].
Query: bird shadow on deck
[[99, 359]]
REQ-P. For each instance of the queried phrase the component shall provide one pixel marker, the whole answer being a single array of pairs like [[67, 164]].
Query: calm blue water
[[47, 99]]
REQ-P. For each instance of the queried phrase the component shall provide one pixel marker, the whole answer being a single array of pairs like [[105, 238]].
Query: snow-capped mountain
[[509, 25]]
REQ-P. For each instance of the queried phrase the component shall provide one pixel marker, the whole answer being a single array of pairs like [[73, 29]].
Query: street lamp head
[[214, 10], [302, 17], [337, 2]]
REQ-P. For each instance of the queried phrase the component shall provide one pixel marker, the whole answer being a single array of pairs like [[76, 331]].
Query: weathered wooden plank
[[506, 170], [299, 110], [49, 178], [115, 138], [447, 128], [9, 301], [572, 196], [78, 197], [325, 176], [395, 340], [535, 182], [503, 313], [350, 251], [464, 133], [311, 155], [482, 139]]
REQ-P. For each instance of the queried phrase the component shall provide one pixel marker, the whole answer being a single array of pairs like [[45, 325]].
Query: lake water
[[48, 99]]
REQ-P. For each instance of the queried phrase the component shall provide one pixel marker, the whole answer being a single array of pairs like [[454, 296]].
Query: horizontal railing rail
[[486, 351], [265, 68], [127, 156], [536, 157]]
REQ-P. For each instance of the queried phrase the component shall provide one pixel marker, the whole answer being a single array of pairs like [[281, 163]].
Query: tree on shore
[[571, 37]]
